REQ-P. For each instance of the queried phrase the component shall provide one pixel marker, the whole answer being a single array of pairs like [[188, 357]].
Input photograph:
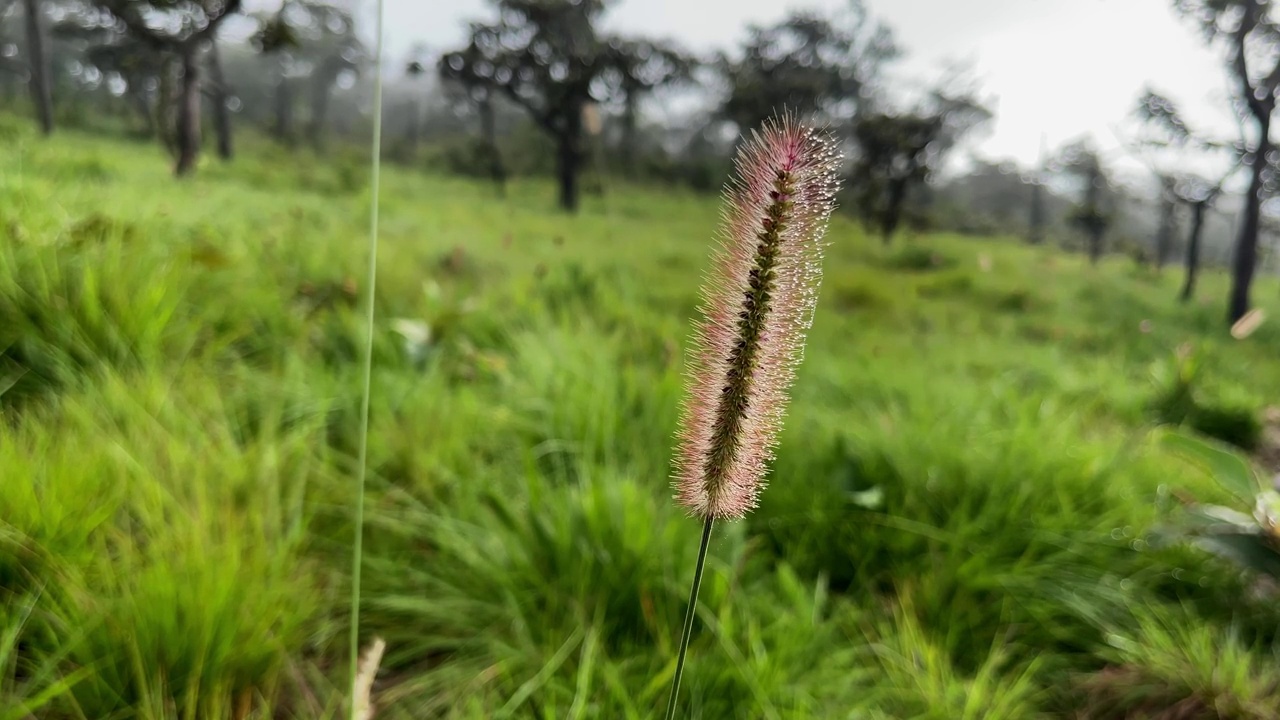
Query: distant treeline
[[538, 88]]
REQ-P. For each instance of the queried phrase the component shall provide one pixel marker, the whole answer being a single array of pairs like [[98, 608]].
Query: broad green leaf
[[1218, 515], [1267, 510], [1249, 551], [1229, 469]]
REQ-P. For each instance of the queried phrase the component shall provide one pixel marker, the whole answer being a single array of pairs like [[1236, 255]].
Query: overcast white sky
[[1059, 67]]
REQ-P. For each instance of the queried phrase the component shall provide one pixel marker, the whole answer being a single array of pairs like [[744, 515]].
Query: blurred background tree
[[509, 103]]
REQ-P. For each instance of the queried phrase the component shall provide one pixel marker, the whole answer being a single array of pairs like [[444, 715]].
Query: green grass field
[[954, 526]]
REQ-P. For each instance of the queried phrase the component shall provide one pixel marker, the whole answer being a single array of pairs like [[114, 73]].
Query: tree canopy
[[808, 63], [898, 150]]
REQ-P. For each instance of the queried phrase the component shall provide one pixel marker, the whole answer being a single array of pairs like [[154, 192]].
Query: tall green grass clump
[[961, 525]]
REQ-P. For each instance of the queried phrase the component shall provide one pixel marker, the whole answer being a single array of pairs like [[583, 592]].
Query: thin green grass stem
[[357, 548], [688, 616]]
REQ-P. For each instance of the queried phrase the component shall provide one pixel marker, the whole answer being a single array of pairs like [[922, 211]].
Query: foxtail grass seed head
[[757, 304]]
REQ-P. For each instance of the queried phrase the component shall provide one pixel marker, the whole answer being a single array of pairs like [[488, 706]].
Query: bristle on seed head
[[757, 305]]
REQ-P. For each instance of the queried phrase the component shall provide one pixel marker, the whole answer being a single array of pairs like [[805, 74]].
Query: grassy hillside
[[954, 527]]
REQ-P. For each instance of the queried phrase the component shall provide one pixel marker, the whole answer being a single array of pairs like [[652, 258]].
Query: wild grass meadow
[[956, 526]]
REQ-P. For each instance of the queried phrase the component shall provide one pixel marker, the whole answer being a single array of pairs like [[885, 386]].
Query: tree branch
[[540, 115], [1259, 107], [1272, 81], [1217, 187], [127, 13], [230, 8]]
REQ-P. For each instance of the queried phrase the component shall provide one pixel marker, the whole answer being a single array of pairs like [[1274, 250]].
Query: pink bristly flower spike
[[757, 305]]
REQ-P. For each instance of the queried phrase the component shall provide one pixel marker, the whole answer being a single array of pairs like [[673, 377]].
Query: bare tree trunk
[[627, 151], [489, 134], [1036, 234], [1246, 255], [321, 89], [567, 172], [1164, 235], [1096, 229], [1193, 250], [221, 95], [283, 128], [188, 127], [569, 156], [41, 95], [414, 130], [893, 209], [166, 103]]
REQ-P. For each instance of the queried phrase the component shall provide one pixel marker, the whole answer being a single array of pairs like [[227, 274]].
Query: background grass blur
[[954, 527]]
